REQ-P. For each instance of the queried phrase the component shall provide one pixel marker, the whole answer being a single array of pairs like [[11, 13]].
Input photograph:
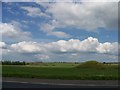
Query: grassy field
[[61, 71]]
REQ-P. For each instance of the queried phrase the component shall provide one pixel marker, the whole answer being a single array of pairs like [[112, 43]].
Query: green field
[[61, 71]]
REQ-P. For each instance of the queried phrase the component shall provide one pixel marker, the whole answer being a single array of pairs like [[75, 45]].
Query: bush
[[91, 64]]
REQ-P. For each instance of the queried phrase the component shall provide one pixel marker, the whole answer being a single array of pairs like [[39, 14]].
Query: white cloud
[[42, 56], [13, 31], [60, 0], [10, 31], [86, 15], [2, 44], [34, 11], [73, 45], [108, 47], [60, 34], [49, 29], [54, 51], [4, 48], [27, 47], [88, 45]]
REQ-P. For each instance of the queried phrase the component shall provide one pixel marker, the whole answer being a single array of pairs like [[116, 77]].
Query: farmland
[[73, 71]]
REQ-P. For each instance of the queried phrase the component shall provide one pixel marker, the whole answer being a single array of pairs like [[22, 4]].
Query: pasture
[[73, 71]]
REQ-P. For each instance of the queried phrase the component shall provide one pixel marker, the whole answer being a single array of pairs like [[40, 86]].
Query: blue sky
[[17, 14], [36, 31]]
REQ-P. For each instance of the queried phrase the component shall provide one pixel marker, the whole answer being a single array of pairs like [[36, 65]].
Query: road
[[55, 83]]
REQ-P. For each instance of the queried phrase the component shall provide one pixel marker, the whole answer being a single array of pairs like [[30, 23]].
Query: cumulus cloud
[[88, 45], [73, 45], [2, 44], [87, 49], [13, 31], [108, 47], [49, 30], [34, 11], [86, 15], [4, 48], [29, 47]]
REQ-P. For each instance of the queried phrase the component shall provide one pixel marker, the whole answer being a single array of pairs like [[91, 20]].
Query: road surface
[[55, 83]]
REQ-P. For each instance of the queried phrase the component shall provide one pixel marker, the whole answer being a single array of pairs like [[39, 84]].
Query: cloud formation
[[77, 50], [88, 45], [49, 29], [42, 56], [4, 48], [73, 45], [13, 31], [27, 47], [60, 0], [34, 11], [2, 44], [53, 19], [108, 47], [89, 16]]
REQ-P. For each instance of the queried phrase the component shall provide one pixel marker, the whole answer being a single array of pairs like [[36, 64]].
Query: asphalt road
[[53, 83], [29, 85]]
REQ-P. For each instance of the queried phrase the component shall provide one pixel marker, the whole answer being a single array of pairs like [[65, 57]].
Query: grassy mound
[[91, 64]]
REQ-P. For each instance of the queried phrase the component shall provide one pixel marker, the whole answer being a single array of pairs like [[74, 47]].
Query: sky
[[59, 31]]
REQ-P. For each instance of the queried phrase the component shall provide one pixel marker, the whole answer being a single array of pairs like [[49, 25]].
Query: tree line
[[13, 62]]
